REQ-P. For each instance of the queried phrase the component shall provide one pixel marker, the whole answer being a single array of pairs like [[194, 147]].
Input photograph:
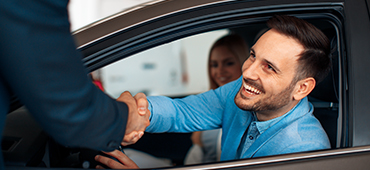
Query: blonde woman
[[225, 60]]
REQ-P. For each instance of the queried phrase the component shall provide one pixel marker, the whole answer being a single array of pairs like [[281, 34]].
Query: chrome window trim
[[282, 159]]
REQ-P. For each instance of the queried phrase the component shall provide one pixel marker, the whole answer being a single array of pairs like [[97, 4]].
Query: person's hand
[[126, 162], [138, 118], [196, 138]]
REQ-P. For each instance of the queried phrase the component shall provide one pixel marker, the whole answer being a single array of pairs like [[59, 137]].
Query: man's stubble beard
[[269, 103]]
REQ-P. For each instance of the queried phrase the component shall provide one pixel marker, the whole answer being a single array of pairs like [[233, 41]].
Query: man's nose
[[251, 71]]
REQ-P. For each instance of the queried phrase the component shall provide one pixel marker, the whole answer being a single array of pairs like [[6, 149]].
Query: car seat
[[325, 98]]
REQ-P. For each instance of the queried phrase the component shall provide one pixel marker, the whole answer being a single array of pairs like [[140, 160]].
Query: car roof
[[134, 16]]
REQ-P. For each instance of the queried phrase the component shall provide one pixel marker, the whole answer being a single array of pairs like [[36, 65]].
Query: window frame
[[166, 29]]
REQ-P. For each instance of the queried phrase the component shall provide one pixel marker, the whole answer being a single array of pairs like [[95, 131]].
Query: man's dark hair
[[315, 60]]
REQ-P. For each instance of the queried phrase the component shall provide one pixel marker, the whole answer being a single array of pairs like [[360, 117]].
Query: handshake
[[137, 121], [138, 116]]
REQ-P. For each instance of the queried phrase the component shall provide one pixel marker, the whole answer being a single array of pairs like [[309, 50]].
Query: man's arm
[[193, 113], [40, 64]]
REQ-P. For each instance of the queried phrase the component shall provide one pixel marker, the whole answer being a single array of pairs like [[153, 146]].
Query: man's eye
[[270, 68], [252, 55]]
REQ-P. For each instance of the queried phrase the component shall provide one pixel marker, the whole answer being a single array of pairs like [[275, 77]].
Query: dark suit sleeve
[[40, 64]]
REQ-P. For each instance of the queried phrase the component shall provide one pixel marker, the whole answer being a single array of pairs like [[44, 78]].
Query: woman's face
[[224, 66]]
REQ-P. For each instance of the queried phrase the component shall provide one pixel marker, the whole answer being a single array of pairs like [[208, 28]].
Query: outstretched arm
[[193, 113]]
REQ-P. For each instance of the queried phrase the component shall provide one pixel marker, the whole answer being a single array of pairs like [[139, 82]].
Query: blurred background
[[84, 12], [175, 69]]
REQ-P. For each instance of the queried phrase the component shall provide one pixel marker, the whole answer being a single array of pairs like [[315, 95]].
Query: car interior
[[324, 98], [25, 144]]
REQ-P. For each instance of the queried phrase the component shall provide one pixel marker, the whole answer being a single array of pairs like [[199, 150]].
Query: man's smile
[[251, 90]]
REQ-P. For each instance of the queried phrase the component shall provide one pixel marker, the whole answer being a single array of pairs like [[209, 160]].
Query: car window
[[169, 56], [177, 68]]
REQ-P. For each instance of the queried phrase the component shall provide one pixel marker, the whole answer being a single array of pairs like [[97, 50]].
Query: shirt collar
[[262, 126]]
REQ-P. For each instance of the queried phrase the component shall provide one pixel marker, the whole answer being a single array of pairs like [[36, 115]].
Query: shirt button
[[251, 137]]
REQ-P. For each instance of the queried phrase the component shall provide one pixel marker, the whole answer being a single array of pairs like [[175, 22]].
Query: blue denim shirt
[[296, 131], [255, 129]]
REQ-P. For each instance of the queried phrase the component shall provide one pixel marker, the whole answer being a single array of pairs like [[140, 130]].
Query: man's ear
[[303, 88]]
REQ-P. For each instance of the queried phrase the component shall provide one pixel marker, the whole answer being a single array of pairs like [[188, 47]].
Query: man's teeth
[[250, 88]]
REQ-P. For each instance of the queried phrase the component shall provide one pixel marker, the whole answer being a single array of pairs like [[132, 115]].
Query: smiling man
[[266, 111]]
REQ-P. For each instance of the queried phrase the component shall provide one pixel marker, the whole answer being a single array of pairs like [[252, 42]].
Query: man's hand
[[138, 118], [126, 162]]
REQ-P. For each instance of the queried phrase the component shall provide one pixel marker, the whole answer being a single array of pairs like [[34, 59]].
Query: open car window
[[178, 68], [165, 53]]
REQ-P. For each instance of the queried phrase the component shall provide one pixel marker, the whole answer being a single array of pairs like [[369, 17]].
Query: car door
[[343, 120], [341, 104]]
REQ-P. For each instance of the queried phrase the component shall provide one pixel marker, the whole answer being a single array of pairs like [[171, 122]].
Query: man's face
[[268, 74]]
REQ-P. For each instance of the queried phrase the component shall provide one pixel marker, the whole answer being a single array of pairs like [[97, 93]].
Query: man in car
[[40, 65], [266, 111]]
